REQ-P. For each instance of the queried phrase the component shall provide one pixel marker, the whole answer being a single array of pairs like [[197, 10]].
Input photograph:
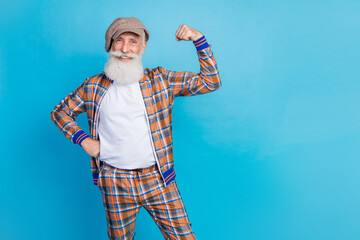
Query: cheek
[[116, 46], [138, 49]]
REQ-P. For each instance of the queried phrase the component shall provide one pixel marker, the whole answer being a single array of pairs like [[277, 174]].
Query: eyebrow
[[132, 38]]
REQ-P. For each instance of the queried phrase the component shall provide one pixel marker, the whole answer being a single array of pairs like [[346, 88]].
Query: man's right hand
[[91, 147]]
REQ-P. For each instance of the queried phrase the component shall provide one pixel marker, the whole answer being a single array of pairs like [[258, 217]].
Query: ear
[[143, 47]]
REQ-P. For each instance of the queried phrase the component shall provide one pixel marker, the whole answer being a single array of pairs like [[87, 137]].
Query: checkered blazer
[[159, 87]]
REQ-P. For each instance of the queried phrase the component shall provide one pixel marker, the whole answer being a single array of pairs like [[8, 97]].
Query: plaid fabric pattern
[[124, 192], [159, 87]]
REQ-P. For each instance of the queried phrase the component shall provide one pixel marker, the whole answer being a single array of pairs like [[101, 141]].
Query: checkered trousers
[[124, 192]]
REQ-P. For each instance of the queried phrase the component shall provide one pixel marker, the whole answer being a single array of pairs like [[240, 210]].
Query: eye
[[118, 40], [133, 41]]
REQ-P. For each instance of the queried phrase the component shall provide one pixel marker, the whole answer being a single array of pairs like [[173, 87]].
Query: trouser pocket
[[101, 170]]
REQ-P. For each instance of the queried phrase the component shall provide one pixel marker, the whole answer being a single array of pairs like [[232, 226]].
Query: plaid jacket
[[159, 87]]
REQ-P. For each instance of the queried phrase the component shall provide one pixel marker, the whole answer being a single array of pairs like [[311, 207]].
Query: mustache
[[122, 54]]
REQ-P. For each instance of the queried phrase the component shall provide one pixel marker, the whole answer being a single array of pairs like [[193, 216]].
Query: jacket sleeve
[[188, 83], [66, 112]]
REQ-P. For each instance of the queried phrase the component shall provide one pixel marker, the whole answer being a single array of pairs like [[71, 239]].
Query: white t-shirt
[[125, 139]]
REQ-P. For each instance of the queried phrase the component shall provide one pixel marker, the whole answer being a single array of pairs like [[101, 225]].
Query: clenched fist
[[187, 33], [91, 147]]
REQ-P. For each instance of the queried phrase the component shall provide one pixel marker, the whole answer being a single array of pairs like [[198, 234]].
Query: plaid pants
[[124, 192]]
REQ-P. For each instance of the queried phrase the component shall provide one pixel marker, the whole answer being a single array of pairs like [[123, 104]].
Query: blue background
[[273, 154]]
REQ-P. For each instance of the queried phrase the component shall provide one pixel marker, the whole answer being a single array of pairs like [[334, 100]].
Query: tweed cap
[[124, 24]]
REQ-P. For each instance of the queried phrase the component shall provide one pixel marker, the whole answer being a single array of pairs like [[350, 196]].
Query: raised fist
[[187, 33]]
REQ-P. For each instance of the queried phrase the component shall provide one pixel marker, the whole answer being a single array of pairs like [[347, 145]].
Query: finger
[[178, 31], [183, 29], [182, 33], [179, 35], [186, 35]]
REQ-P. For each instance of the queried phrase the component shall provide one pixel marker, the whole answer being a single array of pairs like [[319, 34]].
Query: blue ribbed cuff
[[201, 43], [80, 136], [169, 175], [96, 178]]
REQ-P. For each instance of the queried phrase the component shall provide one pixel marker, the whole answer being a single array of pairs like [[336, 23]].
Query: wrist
[[197, 37], [84, 142]]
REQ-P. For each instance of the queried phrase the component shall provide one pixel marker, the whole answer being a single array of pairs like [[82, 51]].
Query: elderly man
[[130, 143]]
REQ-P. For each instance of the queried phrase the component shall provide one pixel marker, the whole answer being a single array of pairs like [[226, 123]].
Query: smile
[[125, 59]]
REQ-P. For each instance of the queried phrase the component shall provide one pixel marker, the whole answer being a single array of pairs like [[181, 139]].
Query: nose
[[124, 48]]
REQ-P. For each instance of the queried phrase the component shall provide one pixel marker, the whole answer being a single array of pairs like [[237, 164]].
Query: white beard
[[124, 72]]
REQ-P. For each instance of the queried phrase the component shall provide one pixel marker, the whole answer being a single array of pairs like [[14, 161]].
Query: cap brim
[[120, 31]]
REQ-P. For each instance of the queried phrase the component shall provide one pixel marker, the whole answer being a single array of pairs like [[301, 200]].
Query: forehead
[[129, 35]]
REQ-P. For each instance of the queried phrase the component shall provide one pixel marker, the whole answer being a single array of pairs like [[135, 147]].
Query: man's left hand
[[187, 33]]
